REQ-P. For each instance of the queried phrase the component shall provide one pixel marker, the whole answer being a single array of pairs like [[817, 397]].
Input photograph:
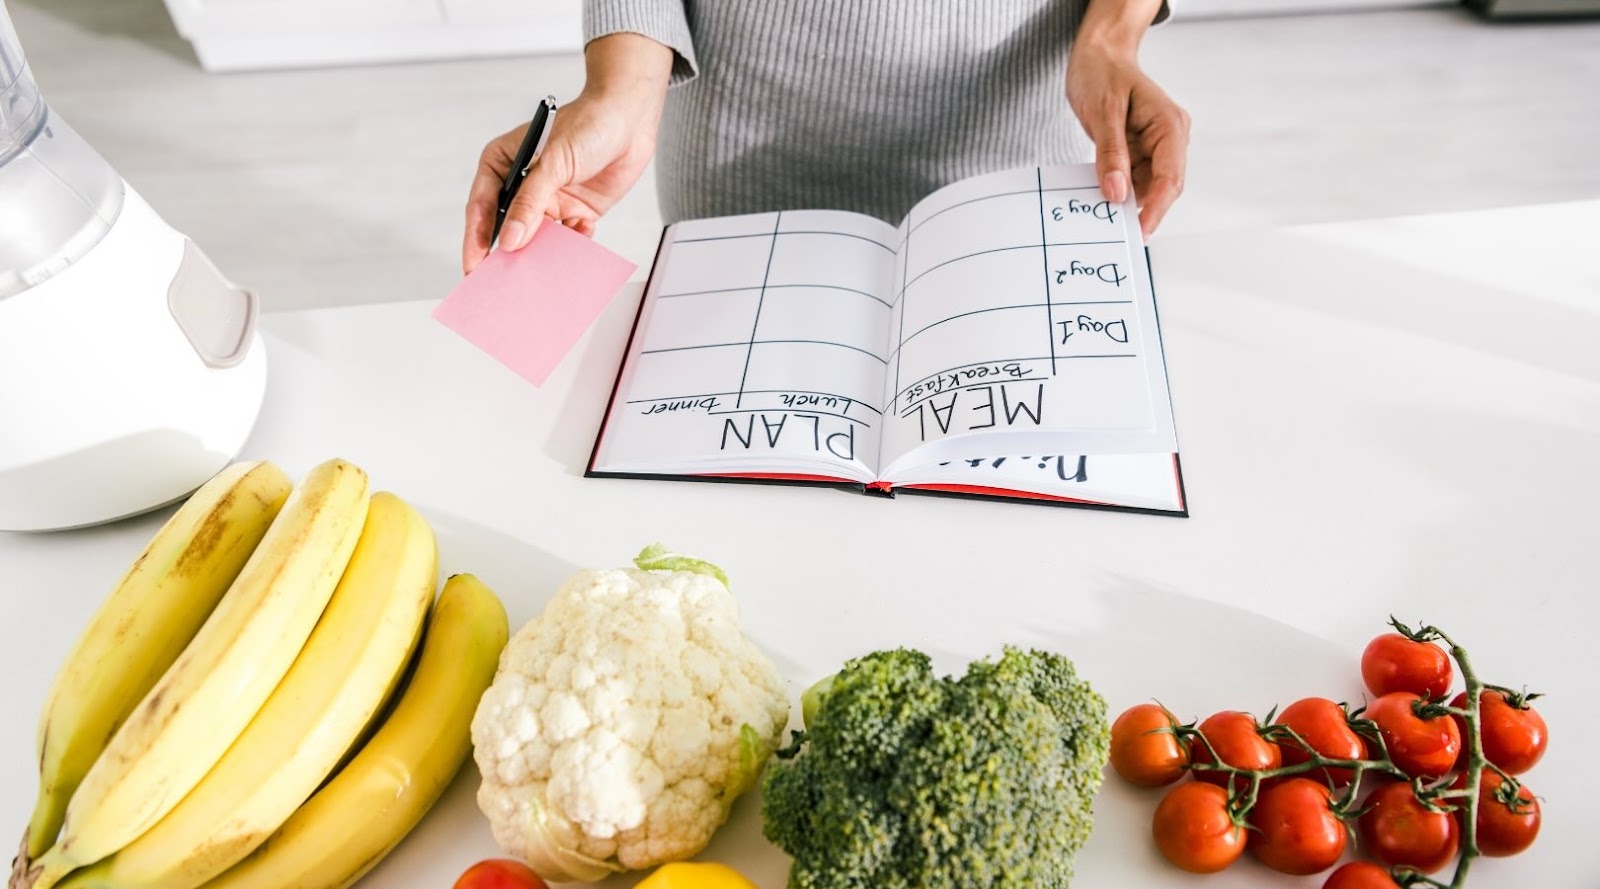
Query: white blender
[[130, 368]]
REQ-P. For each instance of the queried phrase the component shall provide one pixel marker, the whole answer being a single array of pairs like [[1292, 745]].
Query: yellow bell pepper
[[695, 875]]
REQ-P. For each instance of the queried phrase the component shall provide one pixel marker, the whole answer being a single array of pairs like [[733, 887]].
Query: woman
[[840, 104]]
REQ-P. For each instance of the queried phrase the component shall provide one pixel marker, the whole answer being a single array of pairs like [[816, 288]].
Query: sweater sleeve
[[664, 21]]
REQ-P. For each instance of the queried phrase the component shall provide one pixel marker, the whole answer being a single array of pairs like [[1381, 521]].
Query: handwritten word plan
[[1008, 314]]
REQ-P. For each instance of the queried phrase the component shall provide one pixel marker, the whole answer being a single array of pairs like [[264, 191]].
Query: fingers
[[483, 197], [1169, 153], [536, 199], [1163, 193], [482, 203], [596, 151], [1109, 130]]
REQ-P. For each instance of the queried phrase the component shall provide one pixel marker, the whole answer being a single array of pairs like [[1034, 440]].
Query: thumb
[[535, 198], [1112, 164]]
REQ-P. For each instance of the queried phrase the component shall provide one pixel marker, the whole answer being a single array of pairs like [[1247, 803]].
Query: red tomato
[[1392, 663], [1424, 748], [1238, 742], [1398, 829], [1296, 831], [1322, 724], [1194, 829], [1360, 875], [499, 873], [1514, 738], [1502, 829], [1144, 751]]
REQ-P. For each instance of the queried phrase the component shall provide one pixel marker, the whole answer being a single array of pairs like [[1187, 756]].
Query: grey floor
[[339, 186]]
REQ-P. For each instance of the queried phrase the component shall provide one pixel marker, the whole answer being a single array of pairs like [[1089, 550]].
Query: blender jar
[[58, 197]]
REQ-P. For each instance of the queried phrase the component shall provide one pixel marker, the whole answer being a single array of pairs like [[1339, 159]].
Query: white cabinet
[[231, 35]]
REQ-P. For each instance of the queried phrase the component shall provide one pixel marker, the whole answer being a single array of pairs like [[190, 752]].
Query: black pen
[[532, 146]]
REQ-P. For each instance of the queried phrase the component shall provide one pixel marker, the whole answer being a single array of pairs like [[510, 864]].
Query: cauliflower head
[[625, 720]]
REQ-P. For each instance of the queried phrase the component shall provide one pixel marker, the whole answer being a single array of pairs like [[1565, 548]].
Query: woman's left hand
[[1140, 134]]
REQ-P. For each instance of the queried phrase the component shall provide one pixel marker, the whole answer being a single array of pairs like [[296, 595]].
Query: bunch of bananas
[[250, 707]]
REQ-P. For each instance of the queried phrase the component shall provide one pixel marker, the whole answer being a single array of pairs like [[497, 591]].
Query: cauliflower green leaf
[[656, 557]]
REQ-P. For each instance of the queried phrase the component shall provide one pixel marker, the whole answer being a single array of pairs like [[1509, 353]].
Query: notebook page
[[1023, 305], [760, 348]]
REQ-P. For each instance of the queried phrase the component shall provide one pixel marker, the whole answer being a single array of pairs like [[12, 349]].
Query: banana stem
[[40, 873], [20, 864]]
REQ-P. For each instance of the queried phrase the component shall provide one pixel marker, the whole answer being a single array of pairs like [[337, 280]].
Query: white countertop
[[1399, 416]]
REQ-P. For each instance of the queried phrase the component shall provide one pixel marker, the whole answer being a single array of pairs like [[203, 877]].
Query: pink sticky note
[[529, 307]]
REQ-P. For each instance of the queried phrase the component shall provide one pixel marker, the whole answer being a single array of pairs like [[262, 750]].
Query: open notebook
[[1002, 341]]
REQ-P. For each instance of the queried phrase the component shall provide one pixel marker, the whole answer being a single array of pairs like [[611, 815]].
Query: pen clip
[[547, 124]]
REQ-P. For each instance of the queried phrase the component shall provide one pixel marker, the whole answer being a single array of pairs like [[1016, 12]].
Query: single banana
[[360, 646], [144, 625], [212, 691], [349, 825]]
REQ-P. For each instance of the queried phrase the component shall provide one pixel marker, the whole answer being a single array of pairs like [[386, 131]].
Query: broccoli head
[[904, 780]]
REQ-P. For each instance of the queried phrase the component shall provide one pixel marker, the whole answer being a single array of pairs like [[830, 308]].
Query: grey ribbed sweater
[[864, 105]]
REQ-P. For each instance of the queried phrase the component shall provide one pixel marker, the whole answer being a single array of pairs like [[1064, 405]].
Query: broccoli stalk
[[903, 780]]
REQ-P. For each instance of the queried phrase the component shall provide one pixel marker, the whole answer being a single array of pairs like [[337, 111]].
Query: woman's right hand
[[599, 146]]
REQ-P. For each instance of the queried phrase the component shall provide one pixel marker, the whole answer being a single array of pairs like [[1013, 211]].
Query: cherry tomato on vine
[[1238, 742], [1514, 737], [1503, 828], [1323, 725], [1144, 750], [1421, 747], [499, 873], [1360, 875], [1195, 830], [1296, 830], [1397, 829], [1392, 662]]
